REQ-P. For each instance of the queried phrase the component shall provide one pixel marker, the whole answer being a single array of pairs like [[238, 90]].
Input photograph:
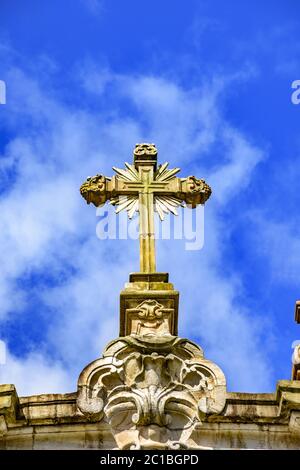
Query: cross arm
[[191, 190], [99, 189]]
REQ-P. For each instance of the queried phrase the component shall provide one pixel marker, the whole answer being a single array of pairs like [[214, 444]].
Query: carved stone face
[[145, 150], [197, 191], [94, 190]]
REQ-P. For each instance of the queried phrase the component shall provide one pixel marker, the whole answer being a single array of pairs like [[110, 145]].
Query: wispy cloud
[[94, 6], [35, 374], [271, 239]]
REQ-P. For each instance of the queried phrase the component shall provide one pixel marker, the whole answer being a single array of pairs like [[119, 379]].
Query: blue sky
[[210, 84]]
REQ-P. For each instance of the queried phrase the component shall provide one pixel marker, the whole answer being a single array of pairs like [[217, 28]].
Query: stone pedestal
[[148, 304], [153, 387]]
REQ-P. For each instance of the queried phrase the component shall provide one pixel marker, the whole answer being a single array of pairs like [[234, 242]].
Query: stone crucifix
[[143, 187]]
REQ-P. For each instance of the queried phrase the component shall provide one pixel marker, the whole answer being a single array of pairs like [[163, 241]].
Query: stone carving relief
[[94, 190], [153, 391], [145, 150], [294, 423], [197, 191], [149, 317]]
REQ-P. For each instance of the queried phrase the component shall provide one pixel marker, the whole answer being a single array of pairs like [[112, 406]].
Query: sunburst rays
[[163, 204], [164, 174], [127, 175], [128, 203], [166, 204]]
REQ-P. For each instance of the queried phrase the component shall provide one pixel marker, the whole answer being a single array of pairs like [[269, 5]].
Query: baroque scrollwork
[[149, 318], [144, 150], [150, 309], [154, 392]]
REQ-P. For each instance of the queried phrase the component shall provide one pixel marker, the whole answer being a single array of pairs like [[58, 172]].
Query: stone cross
[[143, 187]]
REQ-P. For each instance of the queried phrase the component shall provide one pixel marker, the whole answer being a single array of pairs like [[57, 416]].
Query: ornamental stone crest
[[153, 391], [149, 318], [153, 388]]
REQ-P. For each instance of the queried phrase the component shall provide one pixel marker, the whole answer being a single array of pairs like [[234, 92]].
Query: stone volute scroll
[[154, 388]]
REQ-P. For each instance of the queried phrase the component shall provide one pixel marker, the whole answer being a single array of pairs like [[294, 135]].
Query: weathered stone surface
[[153, 390], [288, 396], [248, 421], [148, 305], [10, 410]]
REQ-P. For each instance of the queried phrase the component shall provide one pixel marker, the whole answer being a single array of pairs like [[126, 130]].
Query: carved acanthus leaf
[[156, 388]]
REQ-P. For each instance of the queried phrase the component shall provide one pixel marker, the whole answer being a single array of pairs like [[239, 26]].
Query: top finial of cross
[[144, 188], [143, 154]]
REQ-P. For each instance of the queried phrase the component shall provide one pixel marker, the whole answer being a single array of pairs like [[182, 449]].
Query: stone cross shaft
[[143, 187]]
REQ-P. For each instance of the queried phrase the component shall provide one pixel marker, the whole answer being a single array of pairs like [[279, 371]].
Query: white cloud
[[235, 174], [35, 374], [94, 6], [45, 225], [271, 240]]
